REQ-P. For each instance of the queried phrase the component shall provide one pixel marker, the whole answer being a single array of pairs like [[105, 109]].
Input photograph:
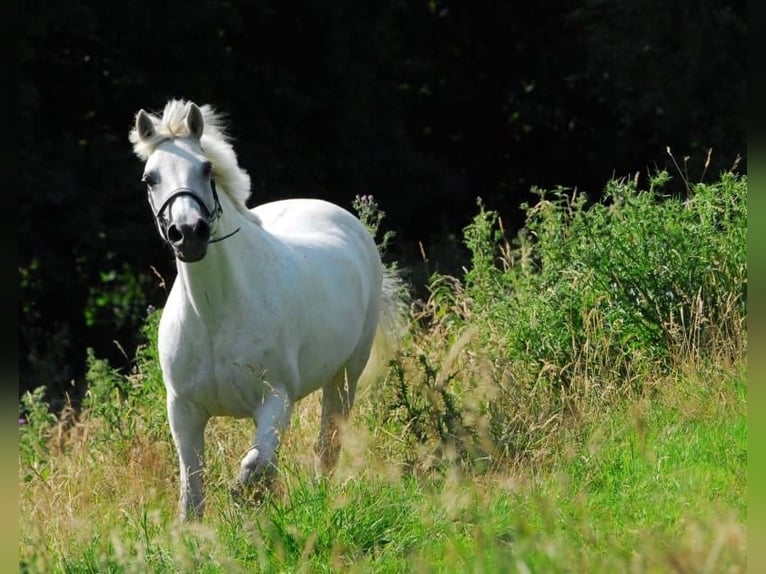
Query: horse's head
[[181, 189]]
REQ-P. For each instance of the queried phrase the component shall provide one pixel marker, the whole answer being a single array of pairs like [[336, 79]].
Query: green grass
[[649, 484], [616, 444]]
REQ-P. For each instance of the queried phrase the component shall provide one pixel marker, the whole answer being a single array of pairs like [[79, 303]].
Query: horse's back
[[298, 216], [329, 246], [324, 229]]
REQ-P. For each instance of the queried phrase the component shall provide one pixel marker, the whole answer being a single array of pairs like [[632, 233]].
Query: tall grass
[[575, 403]]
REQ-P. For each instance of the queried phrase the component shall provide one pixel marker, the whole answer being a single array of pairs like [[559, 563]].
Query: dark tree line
[[424, 104]]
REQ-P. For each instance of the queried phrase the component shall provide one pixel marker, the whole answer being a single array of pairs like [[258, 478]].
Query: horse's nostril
[[202, 229], [178, 233], [174, 234]]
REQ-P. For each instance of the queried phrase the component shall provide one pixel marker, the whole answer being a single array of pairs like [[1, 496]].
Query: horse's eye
[[149, 179], [207, 169]]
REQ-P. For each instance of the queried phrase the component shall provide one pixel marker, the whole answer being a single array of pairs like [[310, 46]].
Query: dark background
[[426, 105]]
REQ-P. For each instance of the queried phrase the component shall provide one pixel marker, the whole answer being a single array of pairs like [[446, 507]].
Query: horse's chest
[[220, 370]]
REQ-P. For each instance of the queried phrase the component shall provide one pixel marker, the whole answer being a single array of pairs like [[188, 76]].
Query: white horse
[[269, 304]]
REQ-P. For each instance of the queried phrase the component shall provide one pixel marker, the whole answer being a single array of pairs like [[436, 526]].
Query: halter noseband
[[162, 220]]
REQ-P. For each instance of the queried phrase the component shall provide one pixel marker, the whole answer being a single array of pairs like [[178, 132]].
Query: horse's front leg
[[187, 425], [272, 417]]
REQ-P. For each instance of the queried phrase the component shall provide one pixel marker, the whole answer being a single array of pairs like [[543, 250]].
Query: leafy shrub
[[369, 213], [123, 405], [584, 303], [632, 278], [118, 298], [36, 424]]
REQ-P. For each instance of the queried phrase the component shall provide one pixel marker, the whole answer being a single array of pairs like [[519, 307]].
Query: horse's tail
[[392, 326]]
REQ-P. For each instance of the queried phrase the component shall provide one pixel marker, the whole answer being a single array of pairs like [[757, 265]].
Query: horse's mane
[[215, 143]]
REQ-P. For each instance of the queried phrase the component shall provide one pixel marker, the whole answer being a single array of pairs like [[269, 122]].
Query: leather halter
[[164, 202]]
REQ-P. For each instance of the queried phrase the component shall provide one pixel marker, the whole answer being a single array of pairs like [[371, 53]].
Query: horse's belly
[[234, 381], [220, 388], [239, 386]]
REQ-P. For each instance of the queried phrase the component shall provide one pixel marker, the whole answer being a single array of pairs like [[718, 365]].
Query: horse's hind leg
[[337, 400]]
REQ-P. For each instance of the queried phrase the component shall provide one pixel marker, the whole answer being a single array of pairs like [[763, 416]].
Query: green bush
[[36, 424], [588, 302], [637, 276], [124, 404]]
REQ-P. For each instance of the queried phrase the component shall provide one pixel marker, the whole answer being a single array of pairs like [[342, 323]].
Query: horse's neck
[[221, 279]]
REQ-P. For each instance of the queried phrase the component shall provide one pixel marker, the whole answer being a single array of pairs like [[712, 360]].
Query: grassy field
[[576, 404]]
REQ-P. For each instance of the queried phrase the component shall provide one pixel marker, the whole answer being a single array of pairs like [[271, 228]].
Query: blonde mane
[[229, 177]]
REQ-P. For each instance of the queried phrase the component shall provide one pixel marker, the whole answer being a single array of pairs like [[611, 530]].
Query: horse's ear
[[144, 126], [194, 121]]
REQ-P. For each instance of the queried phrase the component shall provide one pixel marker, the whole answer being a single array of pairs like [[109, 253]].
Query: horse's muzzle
[[189, 240]]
